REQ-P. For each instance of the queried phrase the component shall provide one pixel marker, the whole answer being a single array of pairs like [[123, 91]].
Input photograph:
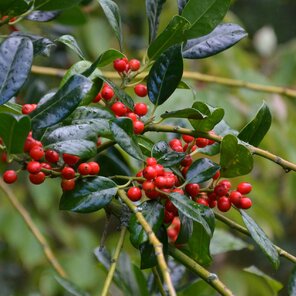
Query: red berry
[[28, 108], [141, 109], [175, 142], [120, 65], [134, 64], [134, 193], [245, 203], [139, 175], [235, 197], [202, 142], [132, 116], [152, 194], [52, 156], [149, 172], [29, 143], [9, 176], [119, 109], [187, 138], [97, 98], [95, 167], [192, 189], [169, 181], [168, 217], [84, 169], [70, 159], [159, 169], [212, 196], [176, 224], [217, 175], [172, 234], [151, 161], [34, 167], [170, 207], [46, 166], [202, 201], [226, 183], [244, 188], [36, 152], [187, 161], [184, 171], [68, 184], [221, 190], [141, 90], [160, 182], [212, 203], [178, 190], [68, 173], [37, 178], [138, 127], [148, 186], [107, 92], [4, 157], [224, 204], [177, 148], [99, 142]]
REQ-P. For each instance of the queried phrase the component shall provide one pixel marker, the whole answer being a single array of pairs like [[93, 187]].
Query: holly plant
[[95, 136]]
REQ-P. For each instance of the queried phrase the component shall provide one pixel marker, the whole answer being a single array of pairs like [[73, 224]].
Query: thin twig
[[34, 229], [114, 261], [245, 231], [158, 281], [153, 240], [211, 278]]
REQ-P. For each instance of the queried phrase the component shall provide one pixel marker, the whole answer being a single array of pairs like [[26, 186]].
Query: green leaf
[[55, 4], [70, 287], [189, 113], [204, 15], [254, 131], [73, 16], [14, 130], [201, 170], [235, 159], [145, 144], [71, 43], [153, 213], [83, 148], [112, 13], [122, 130], [173, 34], [275, 285], [186, 229], [13, 7], [222, 37], [62, 104], [292, 283], [11, 108], [89, 195], [181, 5], [87, 112], [165, 75], [165, 155], [16, 56], [193, 210], [153, 10], [42, 16], [212, 117], [261, 239]]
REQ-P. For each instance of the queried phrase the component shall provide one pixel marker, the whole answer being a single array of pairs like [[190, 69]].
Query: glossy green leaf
[[173, 34], [153, 10], [254, 131], [292, 283], [235, 159], [193, 210], [11, 108], [204, 15], [181, 5], [122, 130], [71, 43], [201, 170], [87, 112], [153, 213], [55, 4], [83, 148], [14, 130], [16, 56], [165, 155], [145, 144], [112, 13], [13, 7], [222, 37], [261, 239], [186, 229], [70, 287], [62, 104], [42, 16], [213, 117], [165, 75], [89, 195], [189, 113]]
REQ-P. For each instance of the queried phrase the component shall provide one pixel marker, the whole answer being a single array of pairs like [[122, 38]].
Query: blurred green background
[[267, 56]]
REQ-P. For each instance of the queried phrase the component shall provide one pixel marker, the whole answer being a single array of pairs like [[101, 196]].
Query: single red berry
[[141, 109], [175, 142], [160, 182], [141, 90], [202, 142], [148, 185], [37, 178], [170, 207], [95, 167], [168, 217], [139, 175], [202, 201], [159, 169], [120, 65], [36, 152], [172, 234], [134, 193], [187, 161], [119, 109], [52, 156], [9, 176], [68, 173], [244, 187], [178, 148], [151, 161], [34, 167], [212, 203], [107, 92], [29, 143], [217, 175], [245, 203], [28, 108], [226, 183], [149, 172], [176, 224], [169, 181], [68, 185], [134, 64], [224, 204], [4, 157], [192, 189], [184, 171], [97, 98], [138, 127], [152, 194], [178, 190], [46, 166], [212, 196], [84, 169], [187, 138], [70, 159], [235, 197], [132, 116], [221, 190]]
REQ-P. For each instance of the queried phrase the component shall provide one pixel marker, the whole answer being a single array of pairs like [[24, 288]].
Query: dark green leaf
[[14, 130], [292, 283], [11, 108], [213, 117], [71, 43], [55, 4], [86, 112], [16, 56], [13, 7], [186, 229], [153, 10], [221, 38], [89, 195], [201, 170], [181, 5], [165, 75], [261, 239], [112, 13], [73, 17], [145, 144], [62, 104], [153, 213], [173, 34], [204, 15], [193, 210], [70, 287], [122, 129], [254, 131], [189, 113], [235, 159], [42, 16], [183, 85]]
